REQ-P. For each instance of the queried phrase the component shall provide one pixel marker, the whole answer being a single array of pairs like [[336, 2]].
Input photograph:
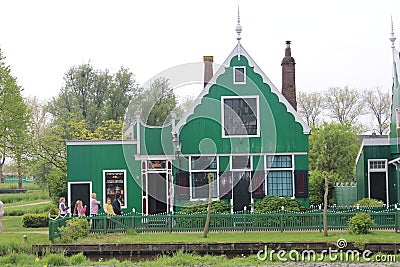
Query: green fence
[[384, 219]]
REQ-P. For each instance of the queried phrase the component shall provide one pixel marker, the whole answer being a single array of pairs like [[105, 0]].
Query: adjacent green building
[[377, 164], [241, 133]]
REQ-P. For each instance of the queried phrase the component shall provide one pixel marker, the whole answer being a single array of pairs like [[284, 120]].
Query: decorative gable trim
[[257, 69]]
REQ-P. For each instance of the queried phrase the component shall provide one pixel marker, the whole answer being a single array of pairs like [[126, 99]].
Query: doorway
[[377, 185], [79, 191], [241, 192], [157, 193]]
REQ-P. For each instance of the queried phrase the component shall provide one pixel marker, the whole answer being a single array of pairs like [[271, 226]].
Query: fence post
[[397, 219], [134, 221], [51, 233], [282, 213], [170, 222], [321, 219], [244, 219]]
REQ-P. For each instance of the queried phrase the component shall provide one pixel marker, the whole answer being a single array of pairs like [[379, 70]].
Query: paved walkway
[[30, 204]]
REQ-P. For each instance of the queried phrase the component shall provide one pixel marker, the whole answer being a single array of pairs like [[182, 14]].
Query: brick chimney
[[288, 77], [208, 69]]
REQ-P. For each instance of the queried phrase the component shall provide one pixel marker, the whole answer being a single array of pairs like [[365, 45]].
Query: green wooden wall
[[87, 162]]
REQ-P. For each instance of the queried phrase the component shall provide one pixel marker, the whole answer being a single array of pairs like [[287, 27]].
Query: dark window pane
[[239, 75], [279, 183], [204, 163], [240, 116], [241, 162]]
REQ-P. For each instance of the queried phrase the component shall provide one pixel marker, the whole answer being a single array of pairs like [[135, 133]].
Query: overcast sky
[[334, 43]]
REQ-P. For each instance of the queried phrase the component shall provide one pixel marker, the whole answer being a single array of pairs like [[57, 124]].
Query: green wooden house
[[379, 158], [241, 132]]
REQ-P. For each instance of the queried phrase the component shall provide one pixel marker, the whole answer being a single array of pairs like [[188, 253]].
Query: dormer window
[[239, 75]]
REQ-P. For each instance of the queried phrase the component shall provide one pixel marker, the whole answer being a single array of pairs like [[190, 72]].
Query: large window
[[279, 175], [203, 168], [240, 116]]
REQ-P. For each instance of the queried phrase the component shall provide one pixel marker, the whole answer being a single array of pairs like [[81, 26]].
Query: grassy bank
[[131, 237]]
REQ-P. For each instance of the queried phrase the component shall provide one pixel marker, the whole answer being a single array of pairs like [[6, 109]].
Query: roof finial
[[238, 31], [392, 38]]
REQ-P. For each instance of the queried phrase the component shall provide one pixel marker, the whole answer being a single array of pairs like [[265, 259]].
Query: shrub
[[275, 203], [74, 229], [16, 259], [56, 260], [78, 259], [369, 202], [201, 207], [40, 219], [35, 220], [360, 223]]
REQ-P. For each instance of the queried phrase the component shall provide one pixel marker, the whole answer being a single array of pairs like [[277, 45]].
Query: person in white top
[[94, 205], [62, 207]]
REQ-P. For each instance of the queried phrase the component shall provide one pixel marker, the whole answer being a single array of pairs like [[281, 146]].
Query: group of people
[[112, 207]]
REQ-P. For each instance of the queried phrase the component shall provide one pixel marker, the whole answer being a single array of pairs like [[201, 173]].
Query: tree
[[310, 106], [378, 103], [333, 149], [157, 102], [344, 104], [210, 178], [124, 89], [94, 95], [13, 116]]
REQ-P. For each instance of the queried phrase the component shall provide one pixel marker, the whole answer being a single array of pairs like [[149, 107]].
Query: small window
[[377, 165], [279, 162], [241, 163], [156, 164], [204, 163], [239, 75]]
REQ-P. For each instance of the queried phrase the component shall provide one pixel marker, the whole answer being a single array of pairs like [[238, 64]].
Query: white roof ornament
[[392, 38], [238, 31]]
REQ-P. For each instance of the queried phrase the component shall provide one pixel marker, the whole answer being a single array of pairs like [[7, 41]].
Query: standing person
[[62, 207], [108, 209], [1, 216], [79, 209], [94, 205], [116, 204]]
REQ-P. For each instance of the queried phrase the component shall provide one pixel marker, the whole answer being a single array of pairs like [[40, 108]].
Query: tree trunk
[[19, 176], [3, 160], [206, 226], [325, 216]]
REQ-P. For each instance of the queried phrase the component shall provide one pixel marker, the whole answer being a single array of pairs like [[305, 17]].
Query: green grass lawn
[[12, 239]]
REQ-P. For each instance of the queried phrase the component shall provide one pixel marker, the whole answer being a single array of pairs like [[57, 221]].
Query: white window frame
[[244, 74], [231, 167], [223, 98], [125, 186], [385, 170], [267, 170], [203, 171]]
